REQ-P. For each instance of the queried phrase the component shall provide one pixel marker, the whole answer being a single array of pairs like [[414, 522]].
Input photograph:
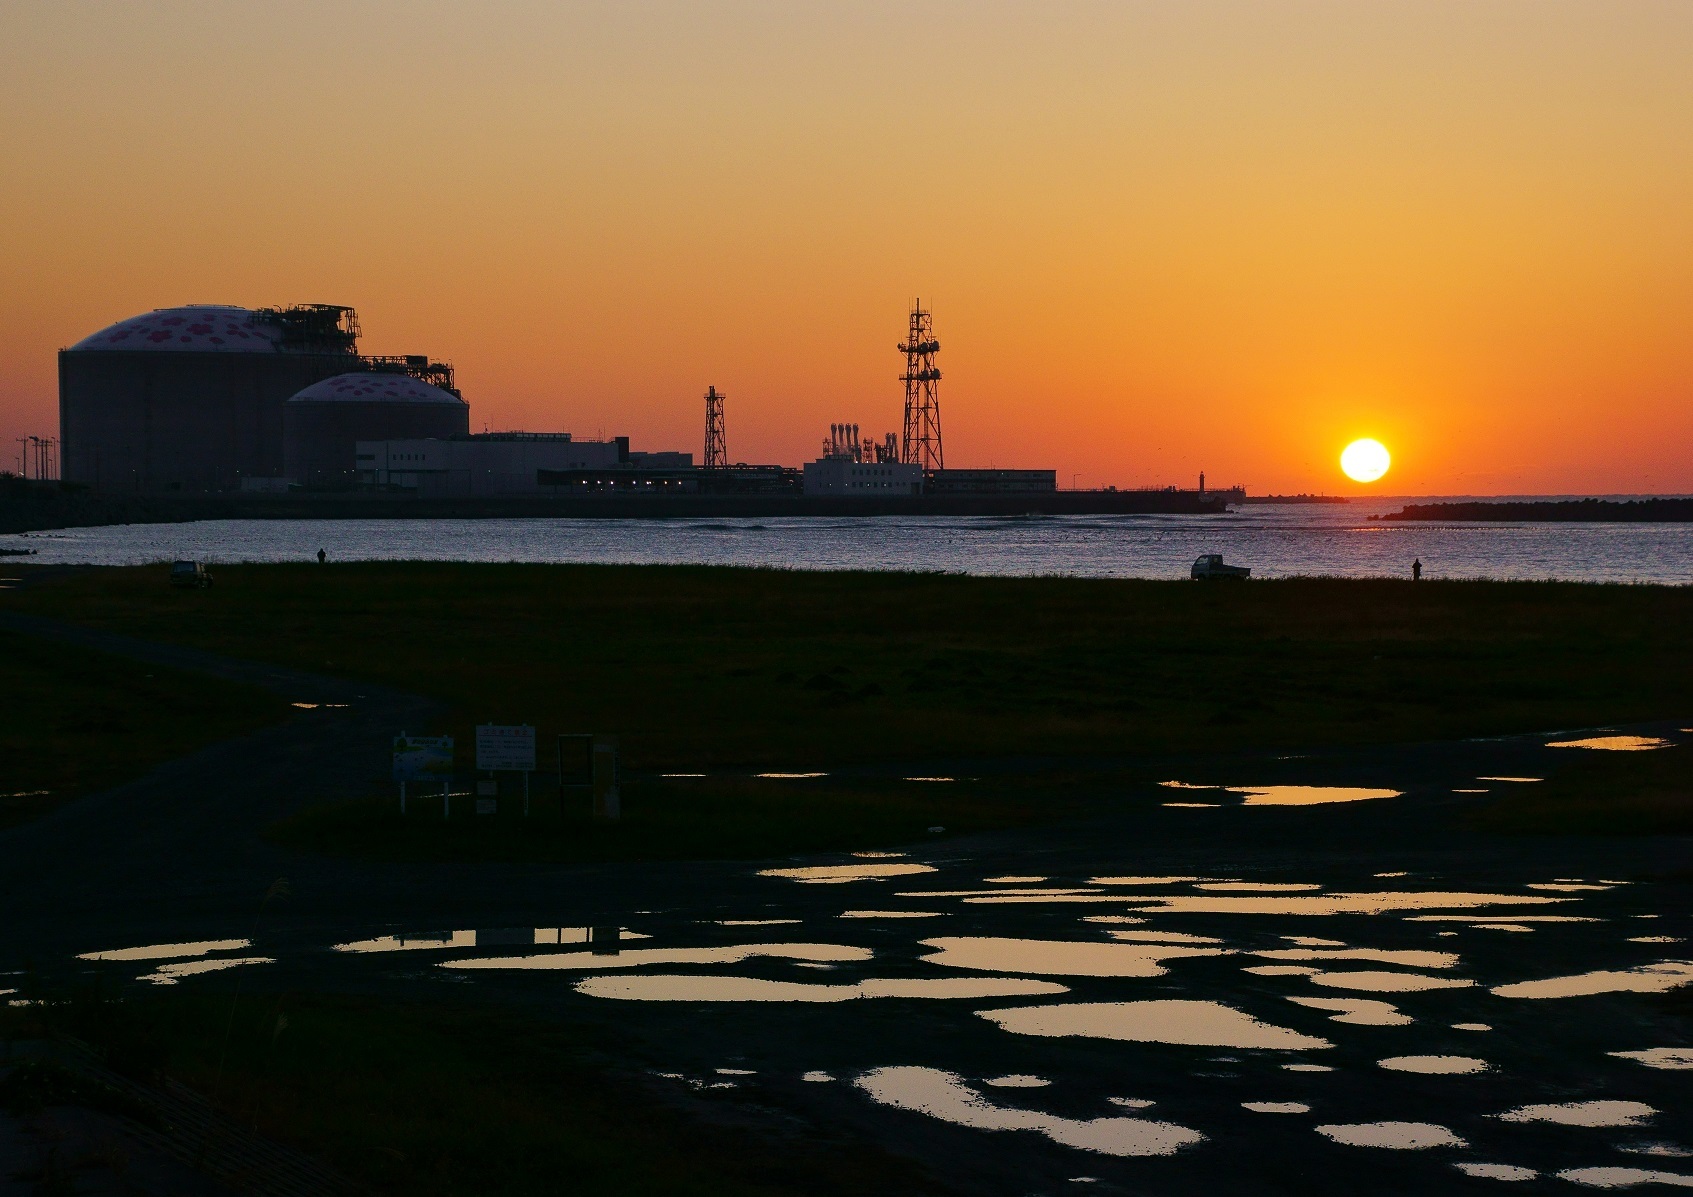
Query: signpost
[[424, 758], [507, 747]]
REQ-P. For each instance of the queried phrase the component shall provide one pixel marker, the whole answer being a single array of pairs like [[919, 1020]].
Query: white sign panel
[[503, 746], [422, 758]]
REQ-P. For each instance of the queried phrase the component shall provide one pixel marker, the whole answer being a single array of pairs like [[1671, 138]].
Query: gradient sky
[[1227, 235]]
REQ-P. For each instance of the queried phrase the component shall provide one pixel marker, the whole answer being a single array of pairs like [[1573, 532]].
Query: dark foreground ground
[[713, 1027]]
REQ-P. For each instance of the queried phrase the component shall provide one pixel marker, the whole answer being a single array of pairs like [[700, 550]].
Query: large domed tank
[[323, 423], [190, 398]]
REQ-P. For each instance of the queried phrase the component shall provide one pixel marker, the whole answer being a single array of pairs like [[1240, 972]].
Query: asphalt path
[[988, 1005]]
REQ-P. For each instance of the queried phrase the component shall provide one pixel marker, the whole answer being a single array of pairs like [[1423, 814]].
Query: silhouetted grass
[[680, 819], [78, 721], [697, 667], [1605, 793], [443, 1101]]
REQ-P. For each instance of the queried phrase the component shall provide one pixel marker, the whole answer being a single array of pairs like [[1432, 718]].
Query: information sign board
[[422, 758], [505, 746]]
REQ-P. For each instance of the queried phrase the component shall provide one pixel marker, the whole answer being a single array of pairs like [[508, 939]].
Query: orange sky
[[1158, 237]]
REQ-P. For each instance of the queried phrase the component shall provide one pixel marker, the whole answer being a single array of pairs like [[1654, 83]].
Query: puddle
[[1583, 1113], [1398, 1136], [1361, 1012], [1265, 887], [1384, 982], [755, 922], [1663, 1149], [660, 987], [1276, 1107], [817, 1078], [642, 956], [170, 951], [1142, 880], [1567, 887], [1660, 1057], [891, 914], [1306, 1068], [946, 1097], [1471, 1026], [992, 893], [836, 874], [1655, 939], [1624, 1178], [1281, 970], [1312, 941], [1163, 937], [1519, 780], [1408, 957], [1515, 918], [1517, 927], [1014, 880], [879, 855], [1017, 1081], [1613, 743], [1118, 919], [1058, 957], [1648, 978], [1435, 1065], [1312, 795], [1324, 904], [168, 974], [1495, 1171], [1192, 805], [789, 776], [1131, 1103], [1186, 1023]]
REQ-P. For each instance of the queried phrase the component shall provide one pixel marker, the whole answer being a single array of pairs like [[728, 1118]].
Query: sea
[[1275, 540]]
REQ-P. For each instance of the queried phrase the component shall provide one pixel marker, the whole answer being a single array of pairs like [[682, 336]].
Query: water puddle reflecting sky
[[1363, 1012], [1434, 1065], [1648, 978], [1613, 743], [1057, 957], [1661, 1057], [1396, 1136], [169, 974], [640, 957], [945, 1096], [1188, 1023], [1583, 1113], [659, 987], [838, 874], [170, 951]]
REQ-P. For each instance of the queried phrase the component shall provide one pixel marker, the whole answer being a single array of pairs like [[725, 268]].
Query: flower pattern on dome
[[209, 328], [373, 387]]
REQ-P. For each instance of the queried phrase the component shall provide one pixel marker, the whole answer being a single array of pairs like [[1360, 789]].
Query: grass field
[[79, 721], [697, 667], [434, 1101], [1605, 793], [683, 819]]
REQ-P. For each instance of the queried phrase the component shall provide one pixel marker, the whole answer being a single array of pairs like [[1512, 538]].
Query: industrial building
[[323, 425], [854, 467], [517, 463], [192, 399]]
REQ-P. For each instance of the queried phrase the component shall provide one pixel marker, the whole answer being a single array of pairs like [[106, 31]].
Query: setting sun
[[1365, 460]]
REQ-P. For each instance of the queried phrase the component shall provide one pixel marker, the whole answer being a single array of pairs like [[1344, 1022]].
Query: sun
[[1365, 460]]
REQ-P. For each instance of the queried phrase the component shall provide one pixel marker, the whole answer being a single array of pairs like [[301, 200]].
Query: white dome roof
[[365, 386], [201, 328]]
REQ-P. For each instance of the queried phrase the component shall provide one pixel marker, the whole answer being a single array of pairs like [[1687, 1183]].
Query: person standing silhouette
[[1416, 569], [323, 556]]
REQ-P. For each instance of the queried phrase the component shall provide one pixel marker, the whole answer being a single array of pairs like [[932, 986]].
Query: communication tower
[[716, 447], [922, 443]]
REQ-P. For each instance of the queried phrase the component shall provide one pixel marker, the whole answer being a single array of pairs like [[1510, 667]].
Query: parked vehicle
[[1210, 565], [189, 574]]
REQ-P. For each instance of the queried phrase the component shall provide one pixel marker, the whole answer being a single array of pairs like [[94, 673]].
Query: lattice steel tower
[[716, 446], [922, 441]]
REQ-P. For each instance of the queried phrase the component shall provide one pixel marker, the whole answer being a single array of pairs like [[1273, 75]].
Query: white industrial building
[[851, 466]]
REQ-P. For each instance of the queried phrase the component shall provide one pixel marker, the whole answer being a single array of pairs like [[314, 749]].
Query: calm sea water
[[1275, 540]]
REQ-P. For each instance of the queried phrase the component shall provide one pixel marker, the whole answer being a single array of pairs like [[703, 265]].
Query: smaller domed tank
[[322, 425]]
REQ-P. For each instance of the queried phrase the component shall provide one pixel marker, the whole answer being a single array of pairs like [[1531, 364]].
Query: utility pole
[[716, 446], [922, 441]]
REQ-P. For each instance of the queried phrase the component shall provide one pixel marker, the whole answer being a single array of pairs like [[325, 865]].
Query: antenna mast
[[922, 443], [716, 446]]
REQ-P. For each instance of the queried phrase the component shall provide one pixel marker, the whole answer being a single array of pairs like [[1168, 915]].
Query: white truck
[[1210, 565]]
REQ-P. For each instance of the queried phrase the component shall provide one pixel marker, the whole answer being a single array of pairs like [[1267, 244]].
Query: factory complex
[[214, 400]]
